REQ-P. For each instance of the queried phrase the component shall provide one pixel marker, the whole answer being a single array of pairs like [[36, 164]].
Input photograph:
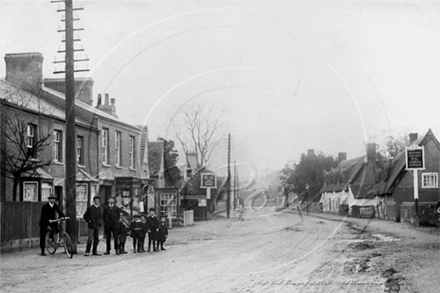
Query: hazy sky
[[289, 75]]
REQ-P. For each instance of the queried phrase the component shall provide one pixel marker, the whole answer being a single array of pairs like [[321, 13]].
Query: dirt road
[[262, 251]]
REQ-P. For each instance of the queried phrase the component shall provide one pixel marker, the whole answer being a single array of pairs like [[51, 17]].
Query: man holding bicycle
[[48, 218]]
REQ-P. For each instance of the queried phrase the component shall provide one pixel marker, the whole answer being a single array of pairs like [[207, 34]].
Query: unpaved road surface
[[263, 251]]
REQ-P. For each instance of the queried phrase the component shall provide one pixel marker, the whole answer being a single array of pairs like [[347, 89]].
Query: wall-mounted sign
[[202, 202], [415, 158], [209, 180]]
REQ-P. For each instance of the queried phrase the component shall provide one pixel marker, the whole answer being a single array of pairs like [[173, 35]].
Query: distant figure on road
[[111, 224], [162, 232], [92, 216], [48, 213], [152, 226]]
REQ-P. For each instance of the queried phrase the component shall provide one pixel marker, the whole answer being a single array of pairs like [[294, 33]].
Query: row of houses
[[114, 158], [369, 186]]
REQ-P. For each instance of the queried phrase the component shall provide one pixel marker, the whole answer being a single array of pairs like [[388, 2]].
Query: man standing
[[47, 219], [92, 216], [111, 224], [152, 227]]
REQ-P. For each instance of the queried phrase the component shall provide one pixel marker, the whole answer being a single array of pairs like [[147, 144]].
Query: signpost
[[415, 161], [209, 181]]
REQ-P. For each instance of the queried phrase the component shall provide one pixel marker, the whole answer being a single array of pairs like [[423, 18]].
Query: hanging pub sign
[[209, 180], [415, 158]]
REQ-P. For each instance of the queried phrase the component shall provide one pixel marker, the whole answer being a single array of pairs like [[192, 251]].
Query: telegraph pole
[[228, 198], [70, 147]]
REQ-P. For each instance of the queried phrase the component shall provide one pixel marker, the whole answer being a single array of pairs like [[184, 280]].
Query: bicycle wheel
[[51, 245], [68, 247]]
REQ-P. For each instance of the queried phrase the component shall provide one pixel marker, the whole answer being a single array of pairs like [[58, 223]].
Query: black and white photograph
[[220, 146]]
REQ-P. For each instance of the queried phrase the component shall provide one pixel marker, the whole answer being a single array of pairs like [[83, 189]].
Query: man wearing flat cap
[[48, 217]]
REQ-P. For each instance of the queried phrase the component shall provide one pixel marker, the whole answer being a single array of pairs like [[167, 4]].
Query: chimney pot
[[371, 152], [112, 100], [310, 152], [413, 137], [342, 156], [99, 99], [107, 99]]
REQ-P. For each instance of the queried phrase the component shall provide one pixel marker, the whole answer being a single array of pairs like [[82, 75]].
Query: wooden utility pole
[[228, 198], [70, 130], [70, 147]]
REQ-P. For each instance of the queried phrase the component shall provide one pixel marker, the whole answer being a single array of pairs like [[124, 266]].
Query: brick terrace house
[[397, 189], [110, 153]]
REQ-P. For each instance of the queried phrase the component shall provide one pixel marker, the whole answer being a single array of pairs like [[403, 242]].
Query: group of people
[[116, 224]]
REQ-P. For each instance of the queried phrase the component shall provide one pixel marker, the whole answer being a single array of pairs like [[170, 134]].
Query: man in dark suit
[[93, 216], [152, 227], [48, 215], [111, 224]]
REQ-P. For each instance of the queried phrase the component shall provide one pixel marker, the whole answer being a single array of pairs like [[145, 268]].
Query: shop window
[[46, 191], [30, 191], [168, 204]]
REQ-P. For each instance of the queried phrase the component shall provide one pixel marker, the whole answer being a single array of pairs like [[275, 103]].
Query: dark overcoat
[[162, 233], [111, 217], [49, 213]]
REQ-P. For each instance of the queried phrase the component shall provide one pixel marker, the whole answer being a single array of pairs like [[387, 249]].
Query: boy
[[162, 232], [124, 230], [152, 226], [143, 233], [136, 227]]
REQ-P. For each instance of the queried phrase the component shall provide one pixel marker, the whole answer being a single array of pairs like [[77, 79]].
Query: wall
[[427, 213]]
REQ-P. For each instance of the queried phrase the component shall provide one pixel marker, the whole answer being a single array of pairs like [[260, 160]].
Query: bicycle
[[63, 239]]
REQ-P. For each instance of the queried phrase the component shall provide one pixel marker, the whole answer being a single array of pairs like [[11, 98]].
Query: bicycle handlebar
[[61, 219]]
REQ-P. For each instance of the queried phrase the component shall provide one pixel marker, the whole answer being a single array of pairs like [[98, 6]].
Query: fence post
[[29, 225]]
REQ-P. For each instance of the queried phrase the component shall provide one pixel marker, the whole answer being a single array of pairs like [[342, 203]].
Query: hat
[[52, 197], [136, 216], [142, 215], [163, 216]]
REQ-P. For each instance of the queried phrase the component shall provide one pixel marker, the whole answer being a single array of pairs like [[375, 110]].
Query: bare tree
[[19, 153], [198, 129]]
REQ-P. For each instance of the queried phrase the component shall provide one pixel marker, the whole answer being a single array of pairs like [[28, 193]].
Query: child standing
[[124, 229], [162, 233], [136, 227], [143, 232]]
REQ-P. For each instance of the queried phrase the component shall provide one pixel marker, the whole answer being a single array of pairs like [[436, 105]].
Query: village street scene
[[218, 146]]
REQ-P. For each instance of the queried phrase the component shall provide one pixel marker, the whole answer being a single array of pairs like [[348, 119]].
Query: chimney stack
[[371, 153], [413, 137], [310, 152], [342, 156], [83, 88], [107, 107], [25, 70]]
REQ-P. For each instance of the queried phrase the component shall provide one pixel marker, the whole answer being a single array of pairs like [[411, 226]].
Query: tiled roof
[[398, 167], [29, 101], [89, 108]]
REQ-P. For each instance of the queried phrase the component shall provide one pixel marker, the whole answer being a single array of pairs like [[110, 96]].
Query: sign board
[[202, 202], [415, 158], [209, 180]]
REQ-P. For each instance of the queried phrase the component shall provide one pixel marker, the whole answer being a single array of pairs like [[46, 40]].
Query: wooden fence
[[188, 218], [20, 224]]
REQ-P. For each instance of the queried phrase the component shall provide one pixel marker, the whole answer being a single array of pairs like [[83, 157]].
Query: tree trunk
[[14, 190]]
